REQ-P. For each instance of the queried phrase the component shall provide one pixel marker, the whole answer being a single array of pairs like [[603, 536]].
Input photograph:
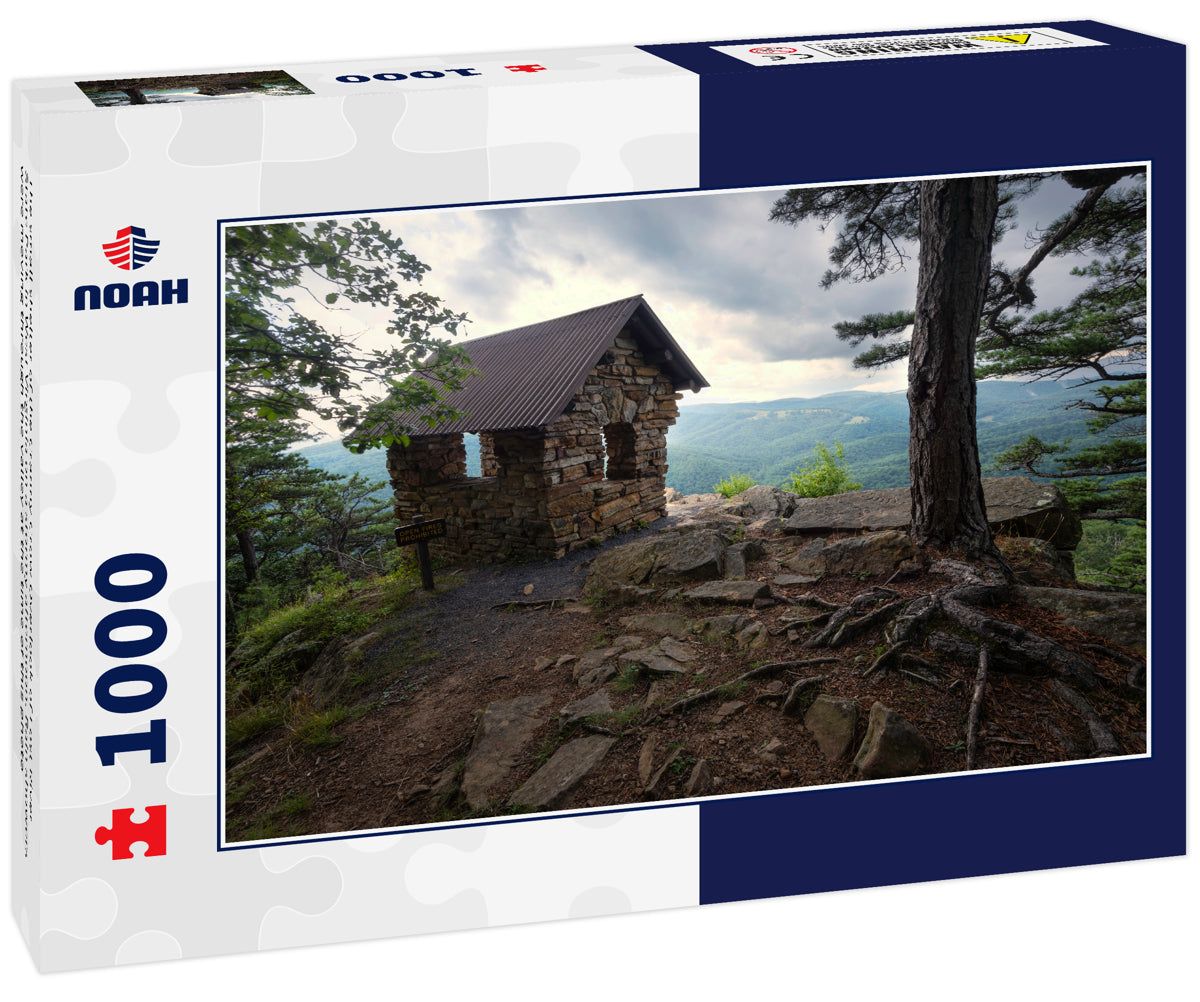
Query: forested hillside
[[767, 441]]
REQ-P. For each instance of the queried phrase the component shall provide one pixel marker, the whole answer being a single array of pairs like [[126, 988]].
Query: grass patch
[[617, 720], [626, 680], [314, 728], [271, 657], [251, 723], [280, 821], [732, 690]]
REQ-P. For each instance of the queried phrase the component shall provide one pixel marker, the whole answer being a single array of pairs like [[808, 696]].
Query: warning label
[[787, 53]]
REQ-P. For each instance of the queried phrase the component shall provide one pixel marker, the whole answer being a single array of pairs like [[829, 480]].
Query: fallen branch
[[1010, 741], [977, 705]]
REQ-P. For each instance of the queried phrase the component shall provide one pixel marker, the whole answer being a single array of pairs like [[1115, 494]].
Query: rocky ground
[[675, 665]]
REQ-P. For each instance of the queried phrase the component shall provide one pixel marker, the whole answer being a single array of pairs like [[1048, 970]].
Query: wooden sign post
[[420, 532]]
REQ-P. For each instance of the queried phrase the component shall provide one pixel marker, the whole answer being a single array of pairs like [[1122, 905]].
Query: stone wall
[[598, 469]]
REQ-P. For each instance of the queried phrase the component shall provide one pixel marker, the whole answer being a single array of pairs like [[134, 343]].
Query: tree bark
[[957, 220], [249, 557]]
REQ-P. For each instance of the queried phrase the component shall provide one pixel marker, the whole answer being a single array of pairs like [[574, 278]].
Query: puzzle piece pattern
[[125, 832], [204, 901], [85, 909], [149, 443], [643, 860]]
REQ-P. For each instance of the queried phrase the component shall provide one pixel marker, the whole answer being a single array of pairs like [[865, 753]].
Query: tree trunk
[[957, 219], [249, 557]]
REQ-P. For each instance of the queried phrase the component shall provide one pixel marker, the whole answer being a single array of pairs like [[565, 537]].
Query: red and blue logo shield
[[131, 250]]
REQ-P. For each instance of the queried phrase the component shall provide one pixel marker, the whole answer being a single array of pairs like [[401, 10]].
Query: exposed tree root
[[955, 622], [760, 672], [977, 705], [1136, 678], [1105, 741], [880, 663], [1013, 648]]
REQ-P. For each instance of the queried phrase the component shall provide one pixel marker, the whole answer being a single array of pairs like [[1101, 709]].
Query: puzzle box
[[131, 782]]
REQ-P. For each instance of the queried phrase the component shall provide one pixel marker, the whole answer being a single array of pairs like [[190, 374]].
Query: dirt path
[[481, 640]]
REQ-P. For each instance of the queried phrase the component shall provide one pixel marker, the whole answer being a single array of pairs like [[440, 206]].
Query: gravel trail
[[457, 621]]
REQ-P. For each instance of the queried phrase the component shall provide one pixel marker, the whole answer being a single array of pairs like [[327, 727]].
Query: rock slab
[[1016, 506], [504, 729], [665, 557], [1116, 616], [598, 702], [596, 666], [728, 592], [558, 777], [875, 554]]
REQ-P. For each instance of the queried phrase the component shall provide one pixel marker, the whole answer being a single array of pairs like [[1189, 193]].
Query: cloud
[[741, 294]]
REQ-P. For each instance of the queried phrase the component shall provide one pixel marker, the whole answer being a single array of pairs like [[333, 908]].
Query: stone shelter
[[571, 416]]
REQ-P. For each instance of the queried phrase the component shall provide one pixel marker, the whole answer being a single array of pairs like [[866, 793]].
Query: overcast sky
[[739, 293]]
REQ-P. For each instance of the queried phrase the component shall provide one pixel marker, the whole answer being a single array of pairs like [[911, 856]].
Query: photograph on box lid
[[191, 89], [596, 504]]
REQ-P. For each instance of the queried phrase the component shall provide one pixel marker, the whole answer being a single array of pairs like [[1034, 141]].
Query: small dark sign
[[419, 531]]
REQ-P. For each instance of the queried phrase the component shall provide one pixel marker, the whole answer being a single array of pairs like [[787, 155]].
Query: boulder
[[658, 559], [1037, 561], [766, 502], [830, 720], [1016, 506], [1119, 617], [892, 747], [875, 554]]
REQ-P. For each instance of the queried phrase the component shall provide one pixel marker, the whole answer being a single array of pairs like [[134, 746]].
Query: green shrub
[[733, 485], [823, 475]]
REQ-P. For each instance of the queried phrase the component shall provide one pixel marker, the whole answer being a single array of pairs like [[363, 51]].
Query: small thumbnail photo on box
[[591, 504], [190, 89]]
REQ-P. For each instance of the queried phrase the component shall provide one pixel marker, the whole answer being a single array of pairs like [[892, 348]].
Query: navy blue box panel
[[961, 826], [982, 112], [942, 114]]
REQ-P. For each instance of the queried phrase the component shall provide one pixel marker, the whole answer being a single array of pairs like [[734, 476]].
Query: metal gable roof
[[529, 374]]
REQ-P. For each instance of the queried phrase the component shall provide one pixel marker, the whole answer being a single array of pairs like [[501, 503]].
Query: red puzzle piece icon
[[124, 832]]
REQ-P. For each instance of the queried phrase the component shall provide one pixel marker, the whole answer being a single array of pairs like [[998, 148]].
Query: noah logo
[[131, 250]]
